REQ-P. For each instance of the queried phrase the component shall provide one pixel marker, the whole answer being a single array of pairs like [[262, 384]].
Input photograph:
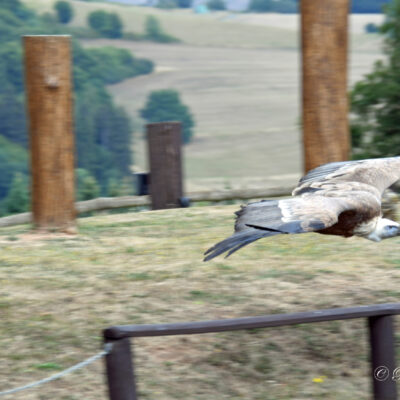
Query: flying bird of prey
[[340, 198]]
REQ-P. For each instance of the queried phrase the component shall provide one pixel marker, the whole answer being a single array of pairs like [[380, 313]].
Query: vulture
[[339, 198]]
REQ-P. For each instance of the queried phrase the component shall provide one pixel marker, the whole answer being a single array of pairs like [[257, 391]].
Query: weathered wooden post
[[383, 363], [325, 100], [165, 159], [49, 103], [120, 371]]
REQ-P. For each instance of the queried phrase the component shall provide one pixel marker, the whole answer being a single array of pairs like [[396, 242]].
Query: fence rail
[[108, 203], [120, 367]]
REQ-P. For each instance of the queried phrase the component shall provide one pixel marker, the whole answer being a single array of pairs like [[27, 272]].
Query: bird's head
[[386, 228]]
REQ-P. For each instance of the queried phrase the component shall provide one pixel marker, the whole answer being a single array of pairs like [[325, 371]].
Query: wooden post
[[164, 145], [120, 371], [325, 100], [383, 361], [49, 103]]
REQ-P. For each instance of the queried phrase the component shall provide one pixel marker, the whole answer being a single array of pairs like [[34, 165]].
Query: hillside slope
[[240, 76]]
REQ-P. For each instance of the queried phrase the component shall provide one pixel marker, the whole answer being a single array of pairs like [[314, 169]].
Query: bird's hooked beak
[[397, 233], [386, 228]]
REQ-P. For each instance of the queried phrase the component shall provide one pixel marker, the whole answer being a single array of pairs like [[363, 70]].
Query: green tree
[[10, 25], [167, 4], [216, 5], [106, 24], [115, 26], [260, 5], [86, 185], [97, 20], [184, 3], [18, 9], [375, 125], [13, 160], [18, 198], [64, 11], [282, 6], [124, 187], [153, 27], [102, 130], [368, 6], [165, 105], [371, 28], [111, 64], [155, 32]]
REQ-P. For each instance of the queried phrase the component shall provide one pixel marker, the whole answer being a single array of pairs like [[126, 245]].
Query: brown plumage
[[341, 198]]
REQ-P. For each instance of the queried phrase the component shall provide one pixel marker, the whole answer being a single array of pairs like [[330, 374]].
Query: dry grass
[[58, 293]]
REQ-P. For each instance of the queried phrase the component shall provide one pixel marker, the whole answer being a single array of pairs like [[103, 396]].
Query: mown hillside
[[58, 293], [283, 6]]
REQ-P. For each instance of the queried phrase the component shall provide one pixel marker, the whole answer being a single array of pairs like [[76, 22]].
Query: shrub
[[371, 28], [18, 197], [155, 32], [106, 24], [13, 160], [86, 185], [64, 11], [167, 4], [282, 6], [184, 3], [165, 105], [216, 5]]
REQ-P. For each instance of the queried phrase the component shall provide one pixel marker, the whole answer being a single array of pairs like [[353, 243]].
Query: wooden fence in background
[[109, 203]]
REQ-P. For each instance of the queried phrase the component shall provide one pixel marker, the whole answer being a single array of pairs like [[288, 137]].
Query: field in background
[[58, 293], [239, 73]]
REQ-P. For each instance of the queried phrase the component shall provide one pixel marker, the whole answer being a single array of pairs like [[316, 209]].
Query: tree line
[[279, 6], [292, 6], [108, 24]]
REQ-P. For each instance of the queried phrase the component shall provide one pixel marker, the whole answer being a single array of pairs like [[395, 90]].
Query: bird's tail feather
[[237, 241]]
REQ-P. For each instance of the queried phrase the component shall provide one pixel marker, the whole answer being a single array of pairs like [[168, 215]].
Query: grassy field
[[58, 293], [240, 76]]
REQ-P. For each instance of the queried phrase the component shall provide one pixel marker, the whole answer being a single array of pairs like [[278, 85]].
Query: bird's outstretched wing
[[319, 201], [378, 173], [295, 215]]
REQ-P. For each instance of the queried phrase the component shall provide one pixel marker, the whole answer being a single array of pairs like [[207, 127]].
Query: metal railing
[[120, 368]]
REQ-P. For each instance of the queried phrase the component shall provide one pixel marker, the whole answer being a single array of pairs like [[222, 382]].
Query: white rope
[[107, 349]]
